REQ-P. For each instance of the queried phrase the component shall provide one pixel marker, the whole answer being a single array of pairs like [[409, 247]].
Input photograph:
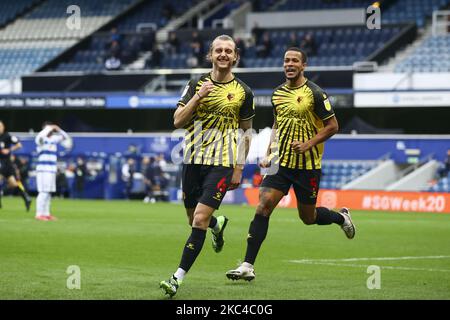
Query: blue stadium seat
[[10, 10], [132, 45], [412, 10], [335, 174], [431, 56]]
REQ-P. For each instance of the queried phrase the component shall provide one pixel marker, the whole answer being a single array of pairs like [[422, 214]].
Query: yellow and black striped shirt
[[211, 136], [299, 113]]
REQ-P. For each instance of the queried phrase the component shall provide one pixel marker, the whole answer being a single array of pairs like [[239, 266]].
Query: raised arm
[[41, 135], [184, 113], [63, 134]]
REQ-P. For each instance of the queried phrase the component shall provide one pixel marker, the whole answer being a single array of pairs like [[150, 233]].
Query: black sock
[[192, 248], [212, 222], [256, 235], [326, 216]]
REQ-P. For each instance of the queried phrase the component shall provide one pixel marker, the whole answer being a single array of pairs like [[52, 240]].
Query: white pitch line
[[365, 266], [370, 259]]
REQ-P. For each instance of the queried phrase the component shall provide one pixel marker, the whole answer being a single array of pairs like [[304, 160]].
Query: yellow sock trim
[[20, 185]]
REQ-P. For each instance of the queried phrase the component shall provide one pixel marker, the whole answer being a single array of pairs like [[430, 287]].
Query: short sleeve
[[247, 110], [322, 105], [188, 92], [274, 108]]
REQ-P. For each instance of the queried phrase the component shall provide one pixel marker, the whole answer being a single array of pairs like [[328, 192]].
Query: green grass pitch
[[125, 248]]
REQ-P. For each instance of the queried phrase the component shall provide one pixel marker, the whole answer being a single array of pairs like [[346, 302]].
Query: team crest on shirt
[[230, 96], [327, 104]]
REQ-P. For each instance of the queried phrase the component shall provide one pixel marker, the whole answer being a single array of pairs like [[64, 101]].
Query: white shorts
[[46, 181]]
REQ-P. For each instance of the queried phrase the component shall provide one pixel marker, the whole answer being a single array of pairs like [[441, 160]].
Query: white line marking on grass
[[370, 259], [365, 266]]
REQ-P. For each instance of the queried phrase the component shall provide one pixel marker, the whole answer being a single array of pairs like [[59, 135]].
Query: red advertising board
[[370, 200]]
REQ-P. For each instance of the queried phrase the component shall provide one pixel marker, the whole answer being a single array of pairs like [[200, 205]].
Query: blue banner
[[141, 101]]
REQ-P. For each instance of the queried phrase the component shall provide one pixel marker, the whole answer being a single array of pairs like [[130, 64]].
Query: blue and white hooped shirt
[[47, 148]]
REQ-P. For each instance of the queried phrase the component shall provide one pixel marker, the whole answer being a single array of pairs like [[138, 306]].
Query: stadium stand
[[220, 12], [158, 13], [36, 38], [432, 56], [92, 58], [412, 10], [340, 46], [11, 10], [442, 185], [25, 57], [48, 20], [335, 174], [336, 46], [400, 10], [133, 32]]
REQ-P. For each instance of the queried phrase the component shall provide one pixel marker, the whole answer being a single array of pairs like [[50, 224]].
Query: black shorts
[[205, 184], [305, 183], [6, 168]]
